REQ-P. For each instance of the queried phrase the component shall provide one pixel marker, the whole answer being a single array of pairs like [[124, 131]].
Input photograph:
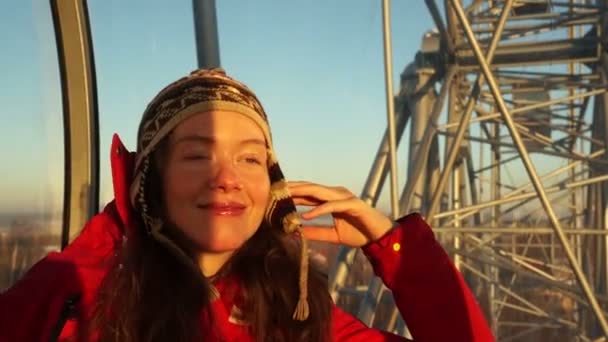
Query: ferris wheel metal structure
[[506, 106]]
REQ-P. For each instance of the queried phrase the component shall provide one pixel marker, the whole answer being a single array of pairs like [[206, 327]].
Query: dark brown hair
[[150, 295]]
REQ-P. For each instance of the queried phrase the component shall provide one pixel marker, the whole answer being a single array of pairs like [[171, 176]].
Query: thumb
[[321, 233]]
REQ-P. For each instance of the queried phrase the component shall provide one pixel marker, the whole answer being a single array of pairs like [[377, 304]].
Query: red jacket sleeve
[[37, 307], [347, 328], [429, 291]]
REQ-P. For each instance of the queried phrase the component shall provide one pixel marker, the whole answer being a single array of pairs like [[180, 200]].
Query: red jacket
[[430, 293]]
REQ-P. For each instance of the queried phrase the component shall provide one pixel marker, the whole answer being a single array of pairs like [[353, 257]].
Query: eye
[[253, 160], [194, 156]]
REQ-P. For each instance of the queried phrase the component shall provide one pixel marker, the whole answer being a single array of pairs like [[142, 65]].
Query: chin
[[219, 244], [219, 237]]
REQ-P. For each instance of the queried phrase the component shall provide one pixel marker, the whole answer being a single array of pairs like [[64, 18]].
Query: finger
[[294, 184], [306, 201], [319, 233], [339, 206], [304, 186], [320, 192], [297, 183]]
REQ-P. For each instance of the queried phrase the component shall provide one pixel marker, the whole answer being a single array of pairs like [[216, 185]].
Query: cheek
[[180, 185], [180, 193], [260, 193]]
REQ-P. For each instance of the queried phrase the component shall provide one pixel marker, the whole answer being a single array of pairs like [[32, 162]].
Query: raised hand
[[356, 223]]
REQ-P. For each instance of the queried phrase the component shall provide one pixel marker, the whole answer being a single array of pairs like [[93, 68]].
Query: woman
[[203, 243]]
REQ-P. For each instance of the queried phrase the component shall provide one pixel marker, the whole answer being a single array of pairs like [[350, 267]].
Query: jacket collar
[[122, 163]]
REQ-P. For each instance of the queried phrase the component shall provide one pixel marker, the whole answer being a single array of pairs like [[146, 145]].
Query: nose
[[225, 177]]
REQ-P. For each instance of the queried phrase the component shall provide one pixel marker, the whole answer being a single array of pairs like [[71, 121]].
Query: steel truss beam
[[542, 89]]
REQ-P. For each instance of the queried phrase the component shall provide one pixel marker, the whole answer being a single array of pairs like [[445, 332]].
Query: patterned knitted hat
[[202, 91]]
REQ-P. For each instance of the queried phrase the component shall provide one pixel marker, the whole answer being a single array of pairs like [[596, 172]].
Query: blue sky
[[317, 67]]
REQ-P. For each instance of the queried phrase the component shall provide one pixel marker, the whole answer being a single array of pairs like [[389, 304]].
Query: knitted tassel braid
[[202, 91]]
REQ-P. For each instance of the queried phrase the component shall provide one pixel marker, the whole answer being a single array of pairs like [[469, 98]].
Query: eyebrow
[[212, 141]]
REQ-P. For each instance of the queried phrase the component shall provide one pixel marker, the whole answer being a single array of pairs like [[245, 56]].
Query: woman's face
[[215, 180]]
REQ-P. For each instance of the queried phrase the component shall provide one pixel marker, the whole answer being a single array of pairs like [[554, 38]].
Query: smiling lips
[[225, 208]]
